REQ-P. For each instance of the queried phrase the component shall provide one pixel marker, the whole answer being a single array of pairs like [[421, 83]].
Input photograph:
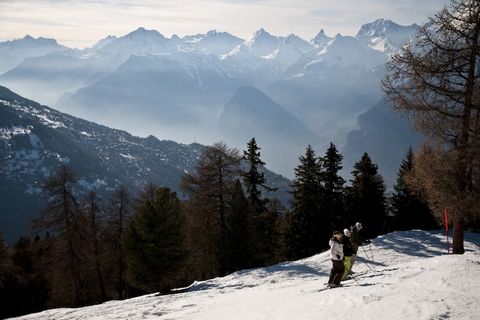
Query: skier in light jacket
[[336, 252]]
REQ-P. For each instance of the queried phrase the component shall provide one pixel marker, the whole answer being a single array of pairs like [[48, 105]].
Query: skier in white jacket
[[336, 252]]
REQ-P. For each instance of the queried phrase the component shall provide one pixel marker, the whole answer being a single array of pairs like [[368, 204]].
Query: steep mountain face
[[385, 136], [35, 139], [250, 113], [253, 112], [158, 95], [15, 51]]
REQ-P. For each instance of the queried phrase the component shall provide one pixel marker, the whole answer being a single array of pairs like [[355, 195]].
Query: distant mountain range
[[35, 139], [191, 88]]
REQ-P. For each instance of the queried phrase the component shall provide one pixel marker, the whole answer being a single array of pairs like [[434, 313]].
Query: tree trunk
[[103, 294], [458, 231]]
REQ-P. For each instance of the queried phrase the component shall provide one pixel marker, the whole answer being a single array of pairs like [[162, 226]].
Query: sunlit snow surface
[[411, 277]]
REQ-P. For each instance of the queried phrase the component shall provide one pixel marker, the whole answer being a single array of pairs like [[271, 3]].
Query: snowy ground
[[411, 277]]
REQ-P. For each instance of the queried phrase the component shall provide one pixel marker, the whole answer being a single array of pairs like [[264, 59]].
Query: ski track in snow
[[411, 278]]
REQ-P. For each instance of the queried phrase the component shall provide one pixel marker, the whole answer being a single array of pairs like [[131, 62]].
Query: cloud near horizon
[[81, 23]]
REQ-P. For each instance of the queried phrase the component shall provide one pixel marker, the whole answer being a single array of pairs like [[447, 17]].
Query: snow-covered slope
[[402, 275]]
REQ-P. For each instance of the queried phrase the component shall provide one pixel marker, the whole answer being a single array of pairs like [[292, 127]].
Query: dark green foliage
[[154, 241], [305, 233], [252, 178], [264, 221], [333, 191], [267, 236], [366, 197], [240, 247], [23, 290], [411, 211]]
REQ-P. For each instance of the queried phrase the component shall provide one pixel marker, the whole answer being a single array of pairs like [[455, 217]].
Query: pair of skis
[[327, 287]]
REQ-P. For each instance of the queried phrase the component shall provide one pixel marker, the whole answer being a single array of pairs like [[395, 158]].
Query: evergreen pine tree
[[253, 178], [239, 232], [333, 193], [264, 221], [31, 292], [304, 236], [367, 197], [411, 211], [155, 242]]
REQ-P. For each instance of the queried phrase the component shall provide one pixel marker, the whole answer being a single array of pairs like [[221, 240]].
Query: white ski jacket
[[336, 249]]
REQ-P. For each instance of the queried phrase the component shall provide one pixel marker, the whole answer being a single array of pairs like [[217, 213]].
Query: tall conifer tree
[[264, 222], [367, 197], [411, 211], [240, 238], [333, 193], [304, 236], [155, 241]]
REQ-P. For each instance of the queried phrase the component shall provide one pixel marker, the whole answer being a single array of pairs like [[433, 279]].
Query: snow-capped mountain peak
[[141, 32], [214, 32], [261, 33], [321, 39], [378, 27], [218, 43], [262, 37], [138, 42], [100, 44], [385, 35], [262, 43]]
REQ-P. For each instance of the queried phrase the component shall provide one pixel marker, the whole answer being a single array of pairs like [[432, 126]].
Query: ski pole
[[371, 252], [368, 258], [369, 267]]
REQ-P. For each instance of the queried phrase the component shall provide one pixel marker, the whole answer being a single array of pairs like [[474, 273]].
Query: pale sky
[[81, 23]]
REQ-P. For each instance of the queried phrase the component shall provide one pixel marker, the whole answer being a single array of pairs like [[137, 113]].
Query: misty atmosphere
[[183, 89], [227, 159]]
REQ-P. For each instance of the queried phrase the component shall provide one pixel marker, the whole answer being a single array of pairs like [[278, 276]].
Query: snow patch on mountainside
[[42, 115]]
